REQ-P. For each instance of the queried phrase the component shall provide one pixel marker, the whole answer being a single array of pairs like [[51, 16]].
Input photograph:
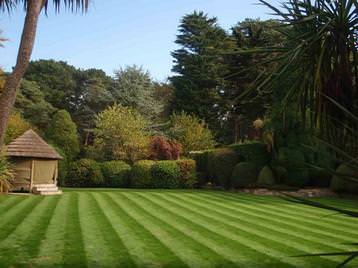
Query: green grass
[[147, 228]]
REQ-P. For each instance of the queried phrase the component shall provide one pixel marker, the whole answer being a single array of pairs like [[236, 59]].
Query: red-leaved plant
[[162, 148]]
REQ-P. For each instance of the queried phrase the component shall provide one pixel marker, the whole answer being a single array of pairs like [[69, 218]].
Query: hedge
[[84, 173], [244, 175], [116, 174], [254, 152], [166, 174], [187, 175], [221, 163], [201, 160], [341, 182], [266, 177], [141, 174]]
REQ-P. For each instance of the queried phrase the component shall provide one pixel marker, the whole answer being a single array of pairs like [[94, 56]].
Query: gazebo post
[[32, 174]]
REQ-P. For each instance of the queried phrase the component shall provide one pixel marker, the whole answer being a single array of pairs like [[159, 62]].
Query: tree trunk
[[7, 98]]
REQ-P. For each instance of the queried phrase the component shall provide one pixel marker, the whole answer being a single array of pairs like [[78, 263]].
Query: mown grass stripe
[[234, 245], [52, 246], [109, 249], [9, 203], [74, 252], [16, 215], [278, 203], [191, 251], [289, 227], [142, 243], [263, 239], [24, 242], [312, 217], [339, 203], [319, 231], [259, 228]]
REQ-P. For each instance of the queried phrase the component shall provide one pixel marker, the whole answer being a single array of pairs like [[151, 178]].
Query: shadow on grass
[[350, 255]]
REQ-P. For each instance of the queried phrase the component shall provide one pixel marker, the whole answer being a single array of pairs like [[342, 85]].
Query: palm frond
[[72, 5]]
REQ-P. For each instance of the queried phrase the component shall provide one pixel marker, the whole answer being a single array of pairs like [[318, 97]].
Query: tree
[[16, 126], [121, 133], [191, 132], [134, 88], [63, 133], [33, 9], [200, 68]]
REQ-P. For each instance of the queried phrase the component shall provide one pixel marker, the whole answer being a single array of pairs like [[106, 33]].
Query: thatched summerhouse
[[35, 164]]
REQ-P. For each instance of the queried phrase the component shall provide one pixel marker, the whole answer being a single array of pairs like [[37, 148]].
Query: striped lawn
[[147, 228]]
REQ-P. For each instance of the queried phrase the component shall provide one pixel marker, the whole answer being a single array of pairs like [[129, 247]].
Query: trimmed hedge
[[201, 159], [166, 174], [85, 173], [187, 172], [266, 177], [141, 174], [254, 152], [244, 175], [341, 184], [116, 173], [221, 163], [294, 161]]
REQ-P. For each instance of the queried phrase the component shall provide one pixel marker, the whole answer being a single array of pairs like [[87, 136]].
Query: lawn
[[126, 228]]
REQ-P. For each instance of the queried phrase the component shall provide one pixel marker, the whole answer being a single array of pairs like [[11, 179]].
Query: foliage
[[191, 132], [294, 161], [254, 152], [84, 173], [141, 174], [6, 174], [121, 133], [244, 175], [187, 173], [199, 68], [162, 148], [63, 165], [343, 180], [62, 131], [116, 174], [16, 126], [201, 159], [134, 88], [266, 177], [221, 163], [166, 174]]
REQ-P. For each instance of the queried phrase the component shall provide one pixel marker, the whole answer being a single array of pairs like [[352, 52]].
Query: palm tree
[[33, 9]]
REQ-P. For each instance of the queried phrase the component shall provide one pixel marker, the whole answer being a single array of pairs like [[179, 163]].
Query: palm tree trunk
[[7, 98]]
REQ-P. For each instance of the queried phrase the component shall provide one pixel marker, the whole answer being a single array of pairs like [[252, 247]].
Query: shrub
[[201, 160], [141, 174], [162, 148], [254, 152], [221, 163], [6, 174], [340, 182], [187, 173], [16, 126], [63, 132], [244, 174], [116, 173], [166, 174], [63, 166], [191, 132], [294, 161], [266, 177], [84, 173]]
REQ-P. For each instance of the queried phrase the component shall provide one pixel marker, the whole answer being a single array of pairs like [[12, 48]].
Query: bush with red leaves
[[162, 148]]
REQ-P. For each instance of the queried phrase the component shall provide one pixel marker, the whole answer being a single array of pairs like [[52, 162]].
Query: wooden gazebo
[[35, 164]]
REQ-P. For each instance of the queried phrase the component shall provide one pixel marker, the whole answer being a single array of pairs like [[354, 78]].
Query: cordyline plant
[[33, 9], [320, 58]]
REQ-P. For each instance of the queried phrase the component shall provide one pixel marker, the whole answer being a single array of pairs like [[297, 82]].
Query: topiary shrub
[[254, 152], [340, 181], [141, 174], [116, 173], [244, 175], [294, 161], [221, 163], [166, 174], [84, 173], [266, 177], [187, 173]]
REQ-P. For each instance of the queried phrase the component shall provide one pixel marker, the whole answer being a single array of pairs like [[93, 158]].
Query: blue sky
[[117, 33]]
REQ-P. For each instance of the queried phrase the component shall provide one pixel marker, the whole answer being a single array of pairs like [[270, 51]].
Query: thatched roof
[[30, 144]]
